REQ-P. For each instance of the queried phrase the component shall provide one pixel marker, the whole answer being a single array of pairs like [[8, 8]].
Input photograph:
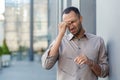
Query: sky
[[2, 6]]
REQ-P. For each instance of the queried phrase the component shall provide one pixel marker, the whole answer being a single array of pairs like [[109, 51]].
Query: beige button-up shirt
[[90, 45]]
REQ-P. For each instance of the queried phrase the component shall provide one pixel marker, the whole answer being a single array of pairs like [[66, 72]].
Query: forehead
[[70, 16]]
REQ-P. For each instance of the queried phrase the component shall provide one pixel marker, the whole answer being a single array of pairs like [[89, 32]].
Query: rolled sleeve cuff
[[104, 70], [48, 61]]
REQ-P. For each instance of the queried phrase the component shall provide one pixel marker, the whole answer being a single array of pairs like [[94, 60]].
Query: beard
[[79, 30]]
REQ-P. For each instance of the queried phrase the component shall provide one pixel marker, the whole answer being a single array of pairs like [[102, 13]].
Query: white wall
[[108, 26]]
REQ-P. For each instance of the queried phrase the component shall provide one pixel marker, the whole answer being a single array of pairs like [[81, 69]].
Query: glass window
[[17, 25]]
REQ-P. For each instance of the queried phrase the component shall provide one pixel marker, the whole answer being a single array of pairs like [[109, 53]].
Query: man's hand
[[82, 59], [62, 27], [55, 47]]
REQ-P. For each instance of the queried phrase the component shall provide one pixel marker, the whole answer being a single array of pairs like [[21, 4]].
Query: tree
[[1, 51], [5, 48]]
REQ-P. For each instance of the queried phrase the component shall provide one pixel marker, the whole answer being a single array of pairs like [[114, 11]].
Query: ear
[[81, 19]]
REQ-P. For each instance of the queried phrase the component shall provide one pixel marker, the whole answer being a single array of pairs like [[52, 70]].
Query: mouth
[[72, 31]]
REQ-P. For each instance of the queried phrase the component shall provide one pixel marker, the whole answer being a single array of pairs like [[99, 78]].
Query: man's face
[[73, 22]]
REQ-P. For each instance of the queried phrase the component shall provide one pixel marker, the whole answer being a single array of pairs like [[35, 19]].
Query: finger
[[82, 62], [78, 60], [62, 27], [64, 24], [67, 23]]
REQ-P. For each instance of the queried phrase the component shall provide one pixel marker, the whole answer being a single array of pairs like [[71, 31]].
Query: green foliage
[[5, 49], [1, 51]]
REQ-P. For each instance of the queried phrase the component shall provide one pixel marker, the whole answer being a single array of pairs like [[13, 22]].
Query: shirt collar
[[71, 36]]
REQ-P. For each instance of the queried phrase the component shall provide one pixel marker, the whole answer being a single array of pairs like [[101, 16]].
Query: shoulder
[[95, 37], [89, 35]]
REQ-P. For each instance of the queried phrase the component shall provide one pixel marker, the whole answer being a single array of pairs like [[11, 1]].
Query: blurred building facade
[[17, 23], [15, 26]]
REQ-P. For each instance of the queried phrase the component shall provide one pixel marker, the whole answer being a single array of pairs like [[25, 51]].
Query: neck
[[81, 33]]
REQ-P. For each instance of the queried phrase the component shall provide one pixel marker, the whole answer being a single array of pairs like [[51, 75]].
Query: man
[[80, 55]]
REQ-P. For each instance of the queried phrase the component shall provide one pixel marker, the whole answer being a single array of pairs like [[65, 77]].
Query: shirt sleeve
[[48, 61], [103, 59]]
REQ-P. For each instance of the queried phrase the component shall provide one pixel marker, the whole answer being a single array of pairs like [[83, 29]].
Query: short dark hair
[[69, 9]]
